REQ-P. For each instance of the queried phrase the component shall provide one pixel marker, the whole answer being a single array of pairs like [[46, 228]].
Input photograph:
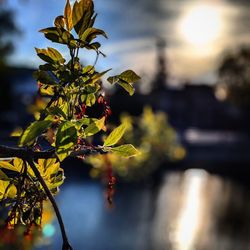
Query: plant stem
[[72, 55], [96, 59], [24, 153], [66, 245]]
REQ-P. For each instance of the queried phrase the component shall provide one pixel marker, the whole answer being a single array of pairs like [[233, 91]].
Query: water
[[190, 210]]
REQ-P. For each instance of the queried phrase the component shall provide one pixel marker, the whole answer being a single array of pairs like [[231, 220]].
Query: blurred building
[[188, 106], [193, 110], [17, 89], [213, 131]]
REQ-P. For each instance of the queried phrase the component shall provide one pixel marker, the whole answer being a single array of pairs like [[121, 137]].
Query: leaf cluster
[[65, 124], [70, 87], [21, 189]]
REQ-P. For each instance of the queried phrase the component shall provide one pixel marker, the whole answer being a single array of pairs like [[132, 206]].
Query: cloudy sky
[[198, 32]]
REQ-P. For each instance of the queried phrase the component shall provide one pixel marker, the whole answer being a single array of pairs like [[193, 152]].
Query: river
[[191, 210]]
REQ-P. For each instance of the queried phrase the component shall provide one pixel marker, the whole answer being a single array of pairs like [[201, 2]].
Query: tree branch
[[26, 153], [29, 155], [66, 245]]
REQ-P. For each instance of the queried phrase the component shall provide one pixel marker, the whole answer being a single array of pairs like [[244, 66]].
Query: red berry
[[108, 111], [100, 99], [83, 107]]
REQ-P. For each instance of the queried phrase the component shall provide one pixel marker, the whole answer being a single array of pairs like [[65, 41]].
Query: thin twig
[[66, 245], [96, 59]]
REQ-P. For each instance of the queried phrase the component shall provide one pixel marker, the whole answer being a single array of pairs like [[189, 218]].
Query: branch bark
[[30, 156], [26, 153], [66, 245]]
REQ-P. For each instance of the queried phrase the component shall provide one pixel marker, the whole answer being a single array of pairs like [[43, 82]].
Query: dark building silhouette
[[161, 78], [189, 106]]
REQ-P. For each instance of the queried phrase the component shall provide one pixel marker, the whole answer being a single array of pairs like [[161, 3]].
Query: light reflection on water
[[191, 210], [188, 211], [180, 210], [199, 211]]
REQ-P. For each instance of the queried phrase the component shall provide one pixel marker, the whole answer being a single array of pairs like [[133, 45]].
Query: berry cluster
[[106, 108], [80, 111]]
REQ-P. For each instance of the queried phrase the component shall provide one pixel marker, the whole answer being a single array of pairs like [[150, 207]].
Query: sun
[[201, 25]]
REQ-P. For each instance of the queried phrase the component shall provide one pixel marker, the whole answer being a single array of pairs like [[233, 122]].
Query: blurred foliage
[[234, 77], [21, 190], [156, 140], [21, 239], [7, 30]]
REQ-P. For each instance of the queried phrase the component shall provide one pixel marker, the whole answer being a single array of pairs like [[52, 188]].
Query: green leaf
[[44, 77], [50, 55], [17, 132], [115, 135], [52, 34], [57, 111], [33, 131], [92, 21], [84, 122], [57, 35], [129, 76], [55, 181], [11, 191], [48, 166], [125, 80], [66, 138], [16, 167], [113, 79], [94, 46], [7, 189], [91, 33], [66, 37], [127, 86], [73, 44], [68, 16], [3, 176], [126, 150], [18, 164], [55, 55], [77, 15], [64, 107], [88, 69], [48, 67], [82, 13], [95, 127], [46, 90], [3, 186], [96, 77], [51, 172], [90, 100]]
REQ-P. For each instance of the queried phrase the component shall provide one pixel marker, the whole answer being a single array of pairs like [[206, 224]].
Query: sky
[[198, 33]]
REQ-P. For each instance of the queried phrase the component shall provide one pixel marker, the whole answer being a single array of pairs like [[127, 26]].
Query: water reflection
[[204, 212], [189, 219], [190, 210]]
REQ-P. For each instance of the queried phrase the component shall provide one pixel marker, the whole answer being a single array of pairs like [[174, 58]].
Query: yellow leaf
[[3, 176], [68, 16], [17, 167], [115, 135], [95, 127], [17, 132], [18, 164], [7, 190]]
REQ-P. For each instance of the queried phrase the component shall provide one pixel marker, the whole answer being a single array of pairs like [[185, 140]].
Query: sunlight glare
[[191, 212], [201, 25]]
